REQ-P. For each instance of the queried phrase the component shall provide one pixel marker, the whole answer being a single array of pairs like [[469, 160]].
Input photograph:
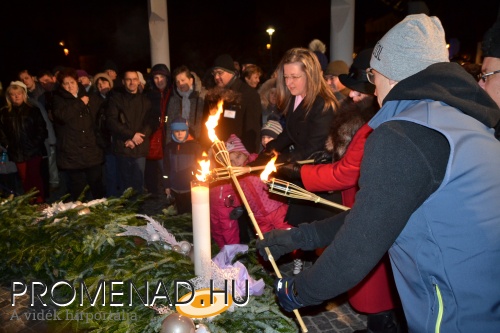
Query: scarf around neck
[[186, 103]]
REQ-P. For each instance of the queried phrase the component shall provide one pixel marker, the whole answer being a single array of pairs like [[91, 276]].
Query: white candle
[[201, 226]]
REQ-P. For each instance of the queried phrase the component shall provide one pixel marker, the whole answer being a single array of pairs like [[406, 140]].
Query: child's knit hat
[[271, 128], [179, 124], [234, 144]]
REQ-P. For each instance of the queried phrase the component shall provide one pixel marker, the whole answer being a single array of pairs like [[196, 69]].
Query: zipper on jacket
[[440, 309]]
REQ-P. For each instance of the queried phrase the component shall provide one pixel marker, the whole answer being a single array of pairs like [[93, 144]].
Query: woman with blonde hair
[[23, 133], [309, 105]]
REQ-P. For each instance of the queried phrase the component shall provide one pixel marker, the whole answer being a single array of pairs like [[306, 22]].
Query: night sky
[[98, 30]]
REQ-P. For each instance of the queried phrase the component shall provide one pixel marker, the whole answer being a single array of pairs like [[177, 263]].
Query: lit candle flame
[[213, 121], [270, 167], [205, 169]]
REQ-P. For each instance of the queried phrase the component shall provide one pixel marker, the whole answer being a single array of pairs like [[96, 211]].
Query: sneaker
[[297, 266]]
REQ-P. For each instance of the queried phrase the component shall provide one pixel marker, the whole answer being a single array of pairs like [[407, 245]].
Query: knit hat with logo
[[234, 144], [271, 128], [412, 45]]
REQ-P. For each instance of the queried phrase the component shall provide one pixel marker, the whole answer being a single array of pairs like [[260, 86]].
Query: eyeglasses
[[483, 77], [217, 73], [370, 76], [292, 77]]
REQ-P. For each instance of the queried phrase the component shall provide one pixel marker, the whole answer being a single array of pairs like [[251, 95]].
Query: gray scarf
[[186, 103]]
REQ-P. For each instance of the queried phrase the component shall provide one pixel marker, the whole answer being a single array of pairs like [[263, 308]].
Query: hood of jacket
[[451, 84], [264, 91], [348, 119]]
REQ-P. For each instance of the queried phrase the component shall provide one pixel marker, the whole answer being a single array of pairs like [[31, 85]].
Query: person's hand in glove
[[321, 157], [236, 213], [289, 171], [264, 157], [287, 294], [279, 242]]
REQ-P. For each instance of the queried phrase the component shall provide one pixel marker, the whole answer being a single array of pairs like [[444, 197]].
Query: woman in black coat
[[78, 152], [22, 133], [309, 105]]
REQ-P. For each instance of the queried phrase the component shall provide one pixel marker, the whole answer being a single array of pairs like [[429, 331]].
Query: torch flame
[[270, 167], [205, 169], [213, 121]]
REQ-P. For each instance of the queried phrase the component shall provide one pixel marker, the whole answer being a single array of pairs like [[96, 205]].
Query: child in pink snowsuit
[[269, 210], [223, 200]]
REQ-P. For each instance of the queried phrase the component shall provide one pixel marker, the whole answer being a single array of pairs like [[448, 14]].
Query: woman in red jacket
[[375, 295]]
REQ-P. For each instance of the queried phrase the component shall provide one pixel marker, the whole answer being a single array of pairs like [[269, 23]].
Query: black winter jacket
[[23, 132], [126, 115], [74, 123], [242, 116], [307, 133]]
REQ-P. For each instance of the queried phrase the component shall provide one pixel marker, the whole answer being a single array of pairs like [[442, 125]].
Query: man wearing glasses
[[242, 109], [429, 193], [489, 79]]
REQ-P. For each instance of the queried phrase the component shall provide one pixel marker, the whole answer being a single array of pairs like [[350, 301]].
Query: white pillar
[[342, 30], [158, 32]]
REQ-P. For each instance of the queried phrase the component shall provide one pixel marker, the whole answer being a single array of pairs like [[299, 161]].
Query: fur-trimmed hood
[[347, 121], [264, 90]]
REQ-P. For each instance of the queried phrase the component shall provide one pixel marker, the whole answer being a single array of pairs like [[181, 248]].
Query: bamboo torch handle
[[261, 237], [332, 204]]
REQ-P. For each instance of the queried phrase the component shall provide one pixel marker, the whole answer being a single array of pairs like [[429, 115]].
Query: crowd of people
[[404, 137]]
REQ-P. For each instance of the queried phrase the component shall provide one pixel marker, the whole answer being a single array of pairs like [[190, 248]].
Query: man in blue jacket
[[429, 193]]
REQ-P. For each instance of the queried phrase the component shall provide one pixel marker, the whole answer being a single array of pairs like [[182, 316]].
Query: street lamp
[[270, 31]]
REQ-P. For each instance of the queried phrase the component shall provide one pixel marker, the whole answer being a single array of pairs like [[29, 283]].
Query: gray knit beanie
[[410, 47]]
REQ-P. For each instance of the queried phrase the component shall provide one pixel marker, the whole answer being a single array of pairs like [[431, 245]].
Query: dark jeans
[[111, 176], [130, 173], [153, 177], [79, 178]]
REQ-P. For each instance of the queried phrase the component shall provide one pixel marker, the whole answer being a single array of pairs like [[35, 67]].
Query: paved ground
[[335, 316]]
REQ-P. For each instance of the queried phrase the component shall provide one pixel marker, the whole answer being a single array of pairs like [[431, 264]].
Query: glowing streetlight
[[270, 31]]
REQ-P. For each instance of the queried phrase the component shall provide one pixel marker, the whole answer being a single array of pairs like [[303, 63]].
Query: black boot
[[382, 322]]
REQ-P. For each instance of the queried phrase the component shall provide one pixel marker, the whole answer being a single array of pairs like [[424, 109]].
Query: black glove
[[321, 157], [236, 213], [290, 171], [279, 242], [287, 295], [264, 157]]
